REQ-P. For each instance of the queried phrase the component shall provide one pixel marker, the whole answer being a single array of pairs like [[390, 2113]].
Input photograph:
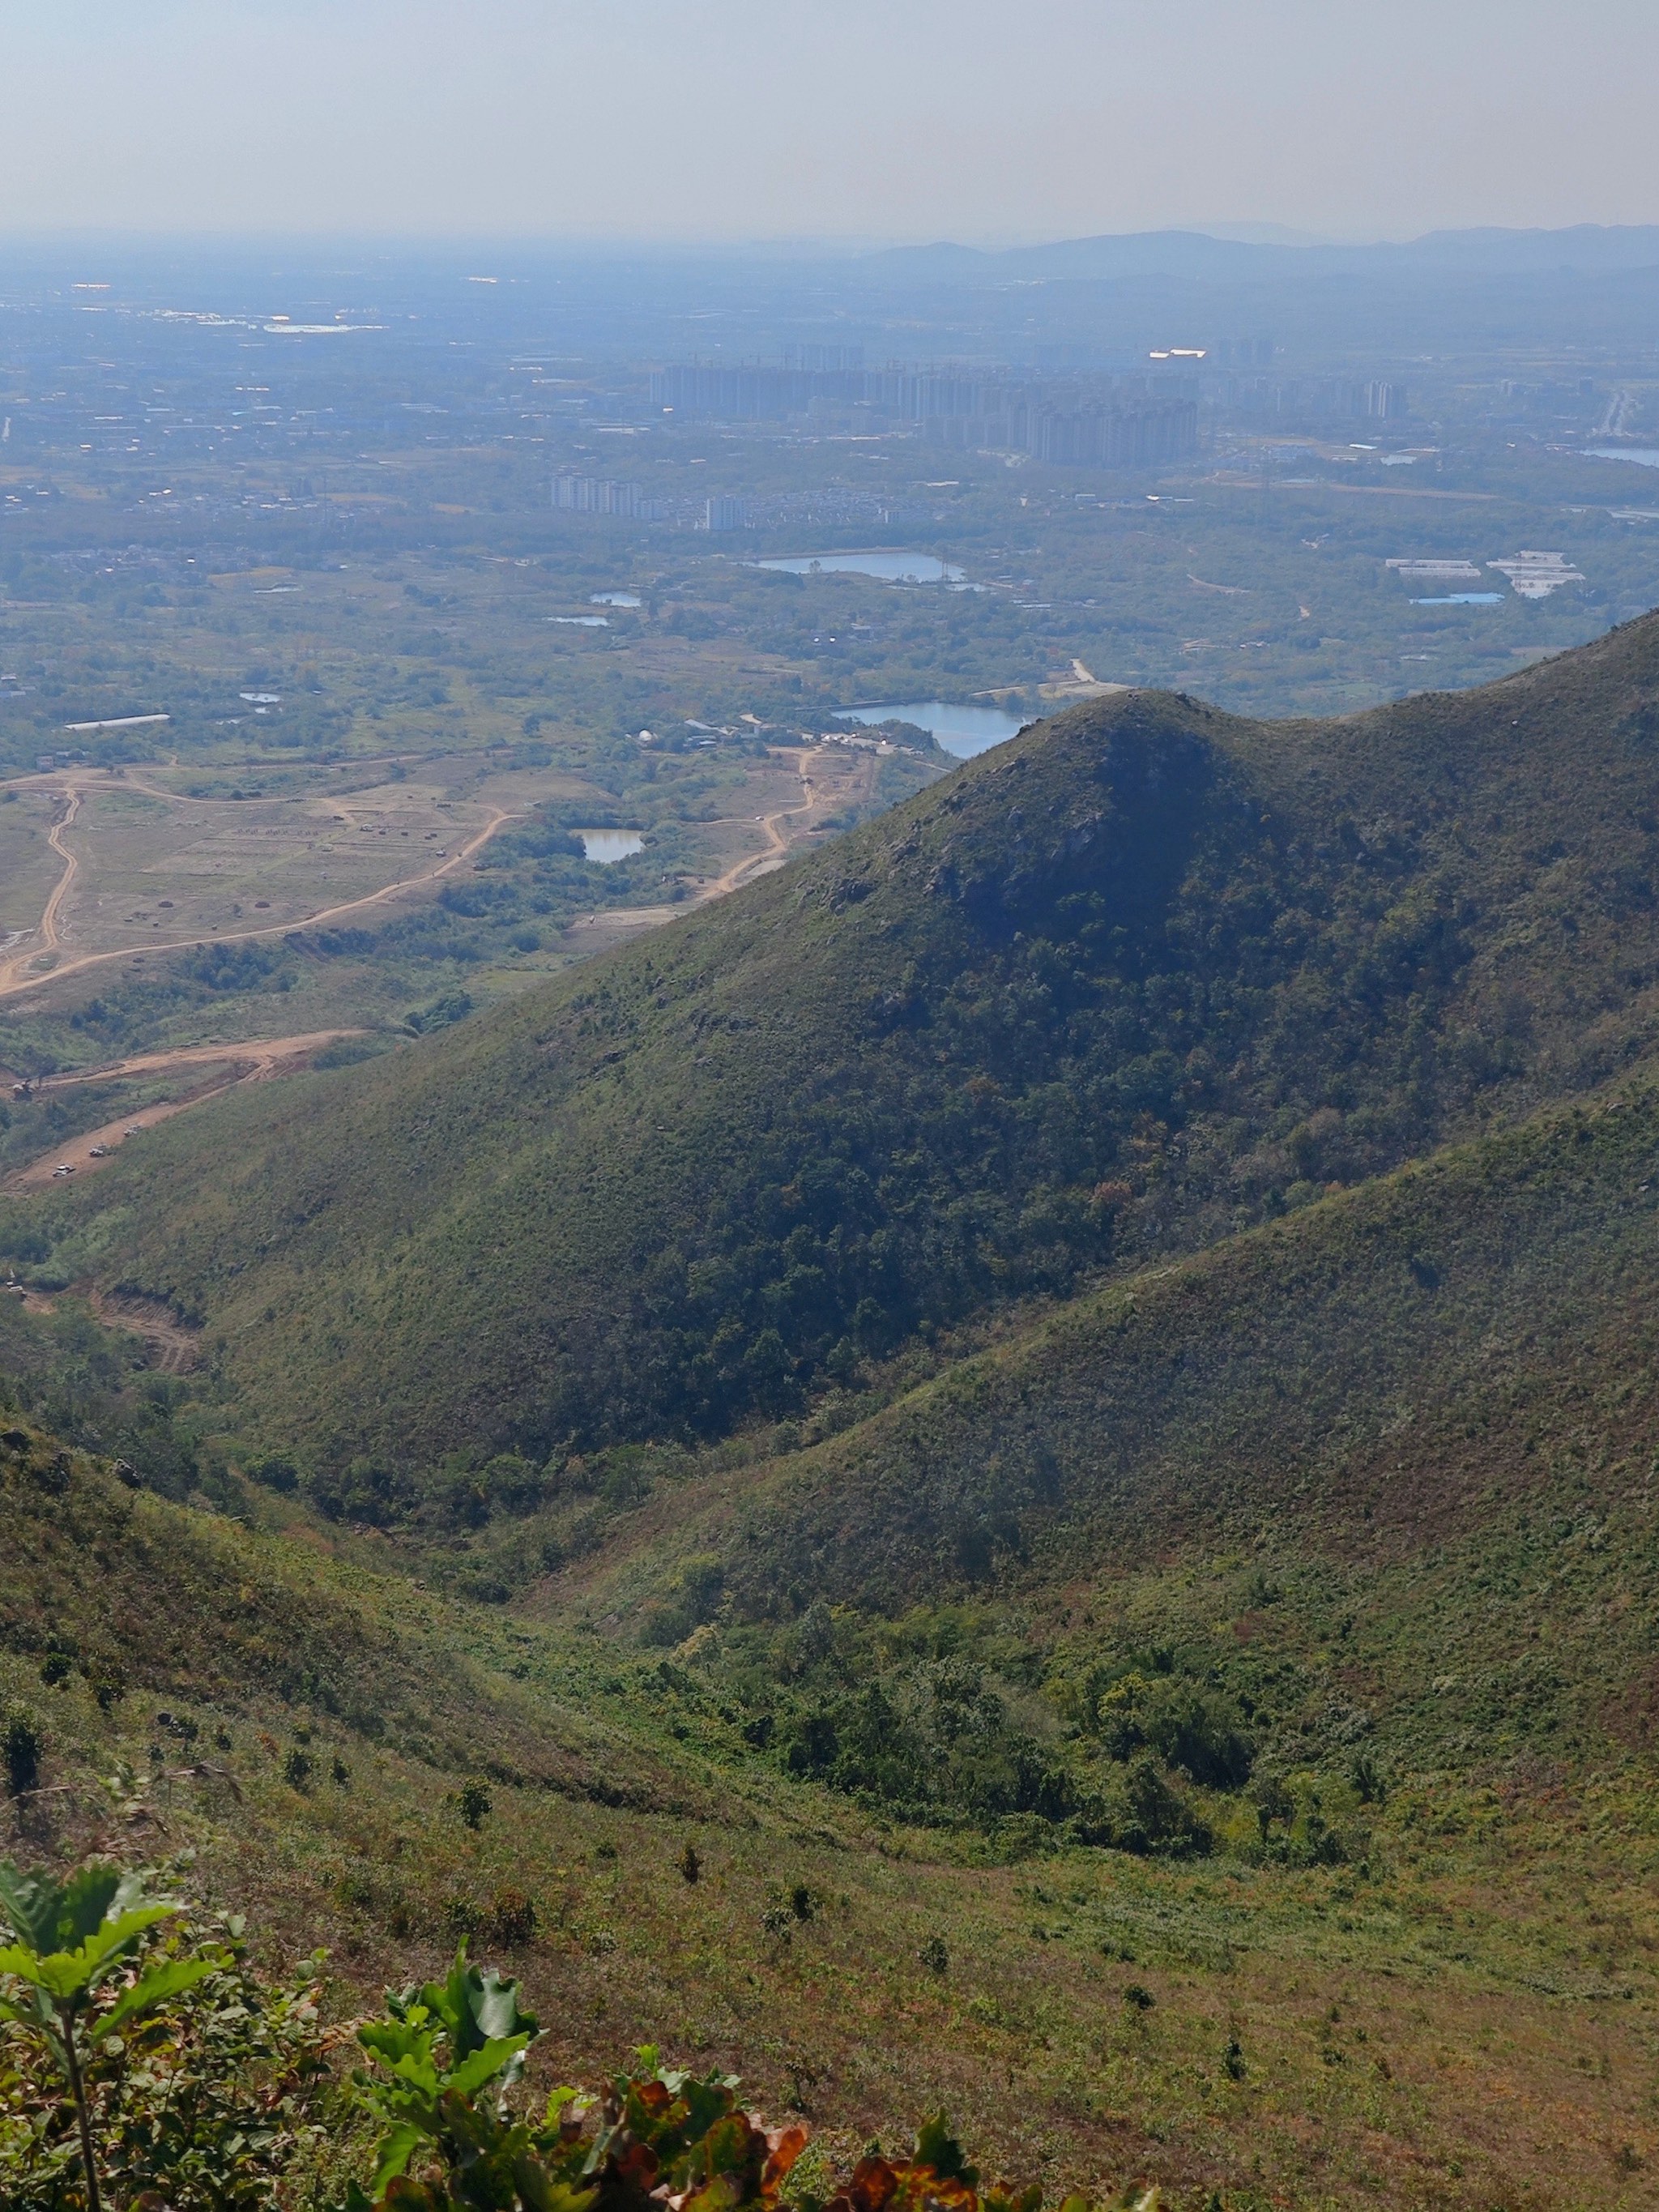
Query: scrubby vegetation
[[143, 2071], [139, 2067], [369, 1766]]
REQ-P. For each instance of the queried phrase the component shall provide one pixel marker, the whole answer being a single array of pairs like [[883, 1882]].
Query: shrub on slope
[[109, 1591]]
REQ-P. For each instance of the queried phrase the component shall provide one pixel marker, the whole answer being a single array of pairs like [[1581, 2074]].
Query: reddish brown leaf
[[783, 2147], [873, 2182]]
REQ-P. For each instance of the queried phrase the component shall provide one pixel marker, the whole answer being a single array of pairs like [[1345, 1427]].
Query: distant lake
[[1645, 457], [604, 846], [1464, 600], [613, 598], [888, 568], [961, 732]]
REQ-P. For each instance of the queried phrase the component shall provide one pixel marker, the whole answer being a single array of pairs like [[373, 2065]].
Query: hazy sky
[[984, 120]]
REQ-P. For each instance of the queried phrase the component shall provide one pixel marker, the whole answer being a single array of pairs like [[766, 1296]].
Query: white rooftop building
[[1535, 575], [1435, 572]]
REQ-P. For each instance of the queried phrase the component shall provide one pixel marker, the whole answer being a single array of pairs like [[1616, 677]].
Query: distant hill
[[1589, 248], [1120, 989]]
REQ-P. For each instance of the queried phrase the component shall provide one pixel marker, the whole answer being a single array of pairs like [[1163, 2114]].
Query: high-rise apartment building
[[601, 495]]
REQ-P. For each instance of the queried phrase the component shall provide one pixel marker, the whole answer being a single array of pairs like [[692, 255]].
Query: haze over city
[[876, 120]]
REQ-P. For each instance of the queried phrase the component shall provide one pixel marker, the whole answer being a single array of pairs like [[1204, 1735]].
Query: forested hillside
[[1363, 1373], [1140, 979]]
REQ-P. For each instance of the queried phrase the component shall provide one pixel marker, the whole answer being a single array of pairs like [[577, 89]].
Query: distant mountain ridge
[[1590, 248]]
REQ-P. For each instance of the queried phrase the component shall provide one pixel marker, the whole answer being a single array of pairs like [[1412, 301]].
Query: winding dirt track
[[60, 889], [257, 1060], [611, 923], [170, 1346], [777, 849], [759, 864], [256, 1056], [18, 973]]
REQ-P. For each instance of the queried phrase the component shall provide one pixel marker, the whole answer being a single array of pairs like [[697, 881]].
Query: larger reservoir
[[886, 567], [961, 732]]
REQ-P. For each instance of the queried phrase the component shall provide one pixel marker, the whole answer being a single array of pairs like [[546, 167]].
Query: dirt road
[[18, 973], [45, 930], [171, 1348], [607, 926], [255, 1061], [71, 869], [777, 848]]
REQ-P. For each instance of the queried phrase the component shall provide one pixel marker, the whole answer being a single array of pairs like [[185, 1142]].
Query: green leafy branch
[[70, 1939]]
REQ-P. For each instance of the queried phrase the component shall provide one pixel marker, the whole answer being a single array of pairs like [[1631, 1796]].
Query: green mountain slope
[[1143, 977], [1373, 1371], [1365, 1497], [111, 1593]]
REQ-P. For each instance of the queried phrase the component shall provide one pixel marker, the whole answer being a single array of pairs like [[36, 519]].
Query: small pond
[[1464, 600], [961, 732], [613, 598], [1645, 457], [605, 846]]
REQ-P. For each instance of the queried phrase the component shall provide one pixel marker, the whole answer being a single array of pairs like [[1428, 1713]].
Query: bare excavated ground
[[171, 1347]]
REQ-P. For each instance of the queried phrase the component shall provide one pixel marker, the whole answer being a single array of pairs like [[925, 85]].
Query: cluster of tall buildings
[[603, 496], [597, 496], [1298, 398], [1240, 353], [1129, 436], [734, 394], [1154, 414], [1124, 433], [1121, 424]]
